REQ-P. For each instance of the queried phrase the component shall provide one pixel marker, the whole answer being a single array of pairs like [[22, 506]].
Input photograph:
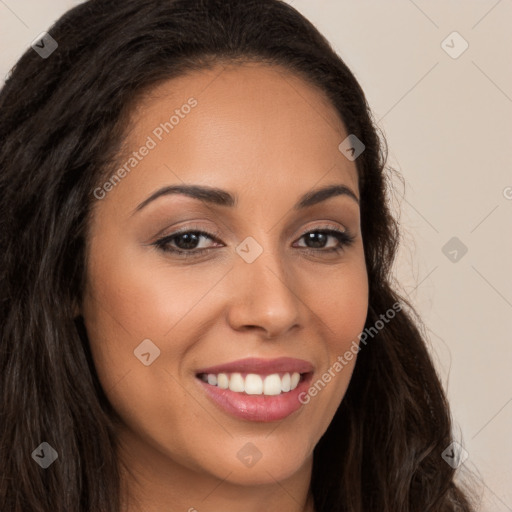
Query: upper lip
[[262, 366]]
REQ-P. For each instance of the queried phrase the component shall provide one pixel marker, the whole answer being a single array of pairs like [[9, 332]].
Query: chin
[[259, 460]]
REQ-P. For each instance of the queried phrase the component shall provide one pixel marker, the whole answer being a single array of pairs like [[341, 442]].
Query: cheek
[[341, 306], [129, 311], [129, 300], [340, 300]]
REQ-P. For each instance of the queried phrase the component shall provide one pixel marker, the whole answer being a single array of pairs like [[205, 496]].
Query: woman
[[196, 250]]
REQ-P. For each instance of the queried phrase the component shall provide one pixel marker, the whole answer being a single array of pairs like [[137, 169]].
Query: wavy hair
[[62, 127]]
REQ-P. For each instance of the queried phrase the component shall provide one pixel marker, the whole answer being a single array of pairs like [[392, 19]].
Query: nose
[[263, 297]]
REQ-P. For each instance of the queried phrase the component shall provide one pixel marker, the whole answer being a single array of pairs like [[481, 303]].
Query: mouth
[[253, 383], [257, 389]]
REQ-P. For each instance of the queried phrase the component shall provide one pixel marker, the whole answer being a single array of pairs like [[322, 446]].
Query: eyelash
[[343, 237]]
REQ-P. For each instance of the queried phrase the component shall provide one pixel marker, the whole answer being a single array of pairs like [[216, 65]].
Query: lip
[[261, 366], [259, 408]]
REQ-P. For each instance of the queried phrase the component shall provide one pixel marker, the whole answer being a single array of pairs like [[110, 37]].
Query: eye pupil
[[318, 239], [191, 240]]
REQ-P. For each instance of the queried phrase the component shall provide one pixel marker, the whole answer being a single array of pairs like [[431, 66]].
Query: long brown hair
[[61, 129]]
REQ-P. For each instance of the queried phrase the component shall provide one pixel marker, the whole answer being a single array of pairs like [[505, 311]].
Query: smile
[[254, 384], [257, 389]]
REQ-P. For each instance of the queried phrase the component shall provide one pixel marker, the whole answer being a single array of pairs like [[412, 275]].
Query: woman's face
[[261, 297]]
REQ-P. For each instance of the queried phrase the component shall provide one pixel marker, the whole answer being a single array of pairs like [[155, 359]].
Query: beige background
[[448, 122]]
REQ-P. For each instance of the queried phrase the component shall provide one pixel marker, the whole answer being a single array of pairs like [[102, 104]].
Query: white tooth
[[212, 379], [272, 385], [222, 381], [286, 382], [294, 380], [236, 383], [253, 384]]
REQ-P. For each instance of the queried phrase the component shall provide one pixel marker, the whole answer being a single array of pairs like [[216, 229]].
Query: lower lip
[[258, 407]]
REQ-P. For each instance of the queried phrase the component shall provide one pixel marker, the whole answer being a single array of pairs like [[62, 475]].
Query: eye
[[187, 243], [317, 239]]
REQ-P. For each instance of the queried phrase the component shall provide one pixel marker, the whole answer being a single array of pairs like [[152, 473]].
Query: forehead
[[252, 126]]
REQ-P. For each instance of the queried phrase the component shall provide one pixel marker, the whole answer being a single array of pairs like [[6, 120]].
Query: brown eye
[[184, 242], [187, 240], [317, 239]]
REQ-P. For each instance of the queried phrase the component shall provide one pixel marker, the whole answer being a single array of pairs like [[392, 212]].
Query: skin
[[267, 137]]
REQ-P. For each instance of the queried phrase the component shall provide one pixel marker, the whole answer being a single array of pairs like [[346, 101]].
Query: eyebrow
[[221, 197]]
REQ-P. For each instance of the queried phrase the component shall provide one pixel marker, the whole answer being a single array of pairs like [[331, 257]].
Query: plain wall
[[448, 123]]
